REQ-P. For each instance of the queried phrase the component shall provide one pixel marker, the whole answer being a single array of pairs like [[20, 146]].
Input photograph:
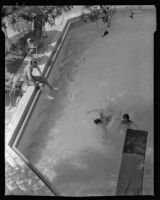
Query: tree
[[19, 18], [103, 12], [6, 19], [100, 13], [38, 15]]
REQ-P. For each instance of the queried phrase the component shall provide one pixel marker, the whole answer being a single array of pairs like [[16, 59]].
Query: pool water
[[114, 73]]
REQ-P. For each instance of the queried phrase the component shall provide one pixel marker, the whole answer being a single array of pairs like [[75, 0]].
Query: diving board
[[130, 180]]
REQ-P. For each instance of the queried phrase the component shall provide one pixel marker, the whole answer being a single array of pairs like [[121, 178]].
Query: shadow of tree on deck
[[47, 41], [12, 63]]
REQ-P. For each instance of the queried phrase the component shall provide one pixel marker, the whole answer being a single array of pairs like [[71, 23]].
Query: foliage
[[103, 12], [18, 16], [21, 18]]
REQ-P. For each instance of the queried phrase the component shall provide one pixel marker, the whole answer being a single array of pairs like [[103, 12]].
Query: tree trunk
[[38, 27]]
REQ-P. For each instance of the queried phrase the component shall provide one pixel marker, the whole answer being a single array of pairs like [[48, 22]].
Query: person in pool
[[127, 123], [103, 119]]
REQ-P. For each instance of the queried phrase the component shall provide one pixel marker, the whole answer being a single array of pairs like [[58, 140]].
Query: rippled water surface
[[114, 73]]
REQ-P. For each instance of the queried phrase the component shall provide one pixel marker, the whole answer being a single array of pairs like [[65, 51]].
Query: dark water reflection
[[135, 142]]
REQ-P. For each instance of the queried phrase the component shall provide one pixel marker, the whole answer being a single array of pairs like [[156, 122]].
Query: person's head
[[98, 121], [126, 117], [33, 62]]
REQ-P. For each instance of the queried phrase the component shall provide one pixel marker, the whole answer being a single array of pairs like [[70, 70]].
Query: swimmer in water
[[105, 33], [103, 120], [131, 15], [126, 123]]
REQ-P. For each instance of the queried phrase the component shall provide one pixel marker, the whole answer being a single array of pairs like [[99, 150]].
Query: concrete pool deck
[[20, 109]]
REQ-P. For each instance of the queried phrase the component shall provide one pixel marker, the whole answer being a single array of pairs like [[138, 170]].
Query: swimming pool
[[114, 73]]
